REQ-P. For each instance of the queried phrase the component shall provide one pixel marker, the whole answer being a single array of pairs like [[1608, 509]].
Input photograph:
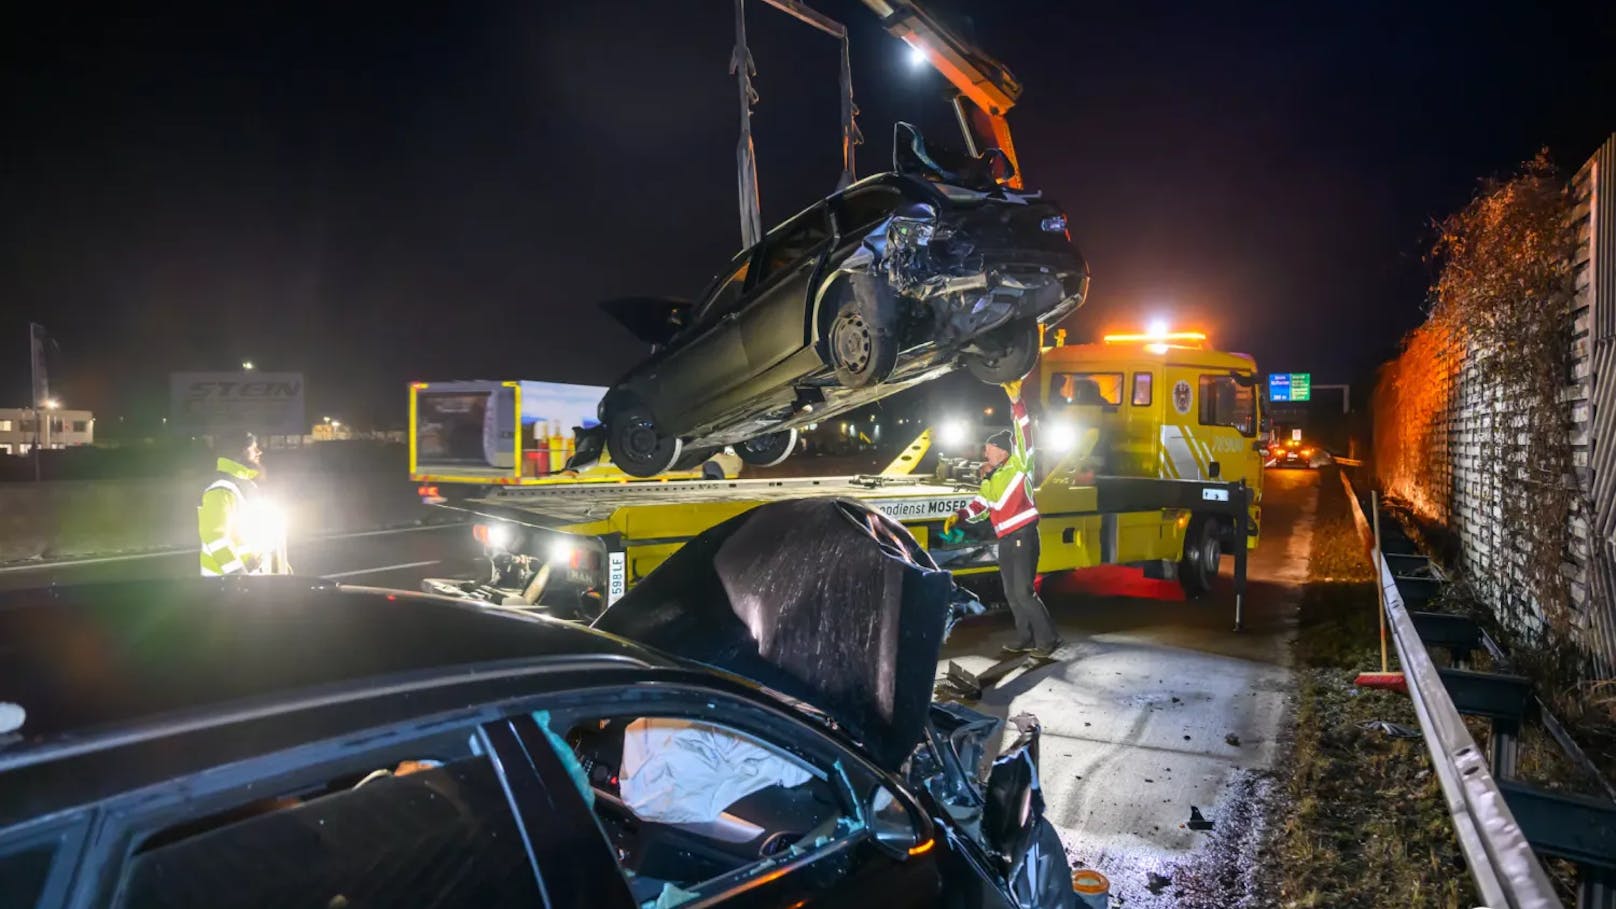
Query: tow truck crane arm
[[980, 79]]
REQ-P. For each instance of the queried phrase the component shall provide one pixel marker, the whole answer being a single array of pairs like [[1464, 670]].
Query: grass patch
[[1361, 818]]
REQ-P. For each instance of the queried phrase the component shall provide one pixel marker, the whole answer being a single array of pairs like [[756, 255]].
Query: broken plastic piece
[[1395, 730], [1198, 820]]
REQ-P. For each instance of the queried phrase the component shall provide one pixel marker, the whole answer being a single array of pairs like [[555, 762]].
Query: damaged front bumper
[[996, 819]]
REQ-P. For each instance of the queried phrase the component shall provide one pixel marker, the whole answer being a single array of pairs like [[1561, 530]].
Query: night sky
[[372, 193]]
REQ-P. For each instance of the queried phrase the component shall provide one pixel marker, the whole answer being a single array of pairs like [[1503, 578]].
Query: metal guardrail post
[[1506, 870]]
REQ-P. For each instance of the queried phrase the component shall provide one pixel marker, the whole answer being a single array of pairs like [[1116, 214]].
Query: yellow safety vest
[[224, 550]]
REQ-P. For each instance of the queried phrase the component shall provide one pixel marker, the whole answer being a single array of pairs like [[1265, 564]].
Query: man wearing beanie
[[1006, 501]]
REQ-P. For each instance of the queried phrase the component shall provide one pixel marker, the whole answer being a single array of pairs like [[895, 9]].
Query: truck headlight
[[561, 552]]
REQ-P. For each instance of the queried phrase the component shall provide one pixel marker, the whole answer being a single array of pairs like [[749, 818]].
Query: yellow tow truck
[[1150, 457]]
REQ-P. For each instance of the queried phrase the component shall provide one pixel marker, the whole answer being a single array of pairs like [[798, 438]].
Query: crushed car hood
[[822, 600]]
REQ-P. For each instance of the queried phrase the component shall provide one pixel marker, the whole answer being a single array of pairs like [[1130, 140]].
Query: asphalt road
[[1158, 705], [382, 558]]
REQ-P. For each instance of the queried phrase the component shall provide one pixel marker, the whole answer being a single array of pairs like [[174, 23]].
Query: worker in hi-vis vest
[[1006, 501], [239, 530]]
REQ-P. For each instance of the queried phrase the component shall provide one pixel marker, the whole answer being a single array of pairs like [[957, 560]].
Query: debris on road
[[1156, 883], [1198, 820], [1395, 730], [1232, 739]]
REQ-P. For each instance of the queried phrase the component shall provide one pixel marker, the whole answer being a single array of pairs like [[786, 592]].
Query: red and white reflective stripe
[[1016, 484], [1016, 521]]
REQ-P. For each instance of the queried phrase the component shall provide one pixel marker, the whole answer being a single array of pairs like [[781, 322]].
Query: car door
[[706, 360], [388, 818], [772, 315], [666, 772]]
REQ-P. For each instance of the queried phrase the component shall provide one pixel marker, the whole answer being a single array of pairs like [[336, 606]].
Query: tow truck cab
[[1158, 405]]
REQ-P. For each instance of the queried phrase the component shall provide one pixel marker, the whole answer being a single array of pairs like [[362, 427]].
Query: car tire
[[636, 445], [1015, 353], [767, 450], [1202, 554], [863, 348]]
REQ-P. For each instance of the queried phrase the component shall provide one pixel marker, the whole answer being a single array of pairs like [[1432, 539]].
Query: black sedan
[[282, 742], [895, 280]]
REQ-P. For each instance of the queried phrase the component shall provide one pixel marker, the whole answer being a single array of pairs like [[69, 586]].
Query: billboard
[[1290, 386], [266, 403]]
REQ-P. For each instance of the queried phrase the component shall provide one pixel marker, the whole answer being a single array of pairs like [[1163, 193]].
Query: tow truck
[[1151, 451], [1153, 460]]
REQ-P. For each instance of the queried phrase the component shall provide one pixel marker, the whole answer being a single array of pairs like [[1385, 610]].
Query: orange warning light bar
[[1165, 338]]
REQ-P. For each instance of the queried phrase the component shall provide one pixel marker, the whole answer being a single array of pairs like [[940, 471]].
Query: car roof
[[87, 657]]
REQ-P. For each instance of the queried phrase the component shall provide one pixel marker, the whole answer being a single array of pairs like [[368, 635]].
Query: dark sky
[[372, 193]]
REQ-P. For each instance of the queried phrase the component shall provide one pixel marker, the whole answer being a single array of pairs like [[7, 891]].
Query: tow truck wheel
[[1201, 555], [635, 444], [769, 450], [1012, 353], [863, 350]]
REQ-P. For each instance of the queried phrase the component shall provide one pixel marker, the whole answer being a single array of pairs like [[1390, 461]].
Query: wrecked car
[[274, 741], [898, 279]]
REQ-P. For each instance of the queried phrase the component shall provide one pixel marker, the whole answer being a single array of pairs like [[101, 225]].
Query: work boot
[[1047, 652]]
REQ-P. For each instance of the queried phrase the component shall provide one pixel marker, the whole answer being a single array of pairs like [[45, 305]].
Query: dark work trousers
[[1018, 567]]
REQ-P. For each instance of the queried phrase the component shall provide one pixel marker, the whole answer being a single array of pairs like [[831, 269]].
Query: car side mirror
[[894, 830], [1013, 803]]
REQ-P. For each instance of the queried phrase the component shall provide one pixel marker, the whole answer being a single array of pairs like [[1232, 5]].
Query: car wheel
[[768, 450], [637, 447], [1014, 352], [1201, 555], [863, 349]]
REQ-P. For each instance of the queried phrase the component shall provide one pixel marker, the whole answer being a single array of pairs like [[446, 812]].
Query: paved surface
[[1139, 715], [384, 558]]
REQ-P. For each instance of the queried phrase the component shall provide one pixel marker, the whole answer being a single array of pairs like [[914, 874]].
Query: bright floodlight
[[953, 434], [1060, 436], [917, 57], [1158, 328], [247, 365], [52, 403]]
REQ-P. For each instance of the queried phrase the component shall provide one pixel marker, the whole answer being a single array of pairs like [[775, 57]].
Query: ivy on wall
[[1503, 292], [1490, 367]]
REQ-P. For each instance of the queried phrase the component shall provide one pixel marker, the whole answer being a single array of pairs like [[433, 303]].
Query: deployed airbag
[[677, 771], [823, 600]]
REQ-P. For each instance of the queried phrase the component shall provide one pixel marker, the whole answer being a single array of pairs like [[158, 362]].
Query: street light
[[52, 403], [247, 365]]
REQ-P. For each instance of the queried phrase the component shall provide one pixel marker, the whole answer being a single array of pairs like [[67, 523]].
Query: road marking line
[[349, 574], [41, 566], [166, 553], [378, 533]]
